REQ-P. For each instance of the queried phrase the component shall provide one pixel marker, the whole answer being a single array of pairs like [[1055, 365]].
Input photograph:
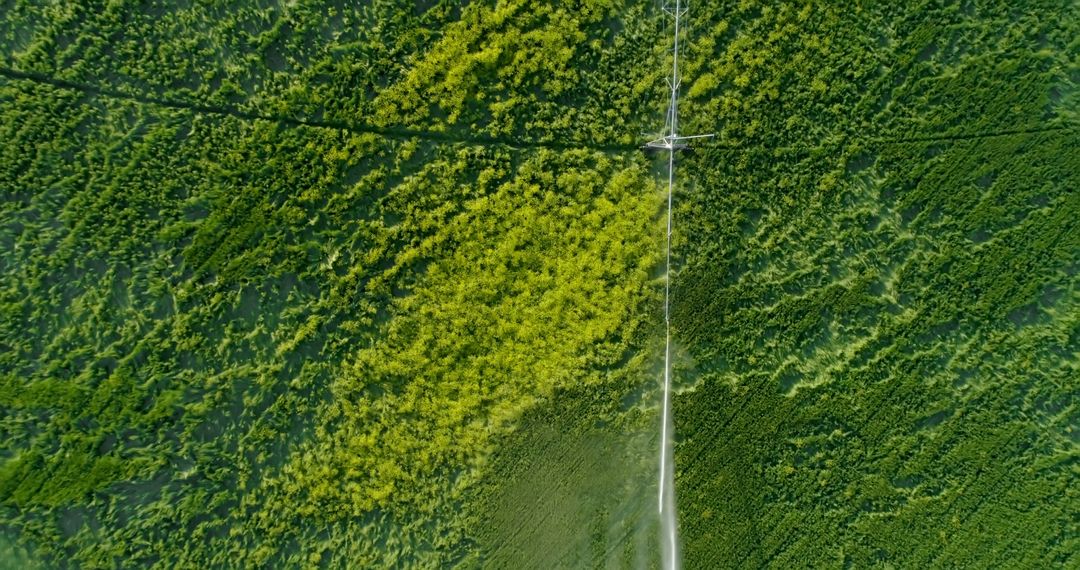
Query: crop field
[[879, 292], [378, 284]]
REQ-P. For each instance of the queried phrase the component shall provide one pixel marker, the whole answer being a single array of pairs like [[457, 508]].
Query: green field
[[379, 284]]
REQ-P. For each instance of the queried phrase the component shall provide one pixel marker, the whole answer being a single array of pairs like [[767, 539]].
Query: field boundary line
[[398, 133]]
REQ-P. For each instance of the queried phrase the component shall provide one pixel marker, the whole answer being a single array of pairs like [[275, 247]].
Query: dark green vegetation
[[884, 310], [291, 285]]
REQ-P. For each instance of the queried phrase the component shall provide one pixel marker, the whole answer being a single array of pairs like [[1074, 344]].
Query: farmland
[[881, 298], [297, 285]]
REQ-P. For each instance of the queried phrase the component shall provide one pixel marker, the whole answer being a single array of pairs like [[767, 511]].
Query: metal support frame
[[673, 141]]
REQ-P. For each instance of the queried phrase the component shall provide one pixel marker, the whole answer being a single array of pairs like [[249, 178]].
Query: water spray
[[672, 141]]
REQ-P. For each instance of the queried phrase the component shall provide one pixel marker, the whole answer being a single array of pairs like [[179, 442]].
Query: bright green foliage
[[518, 288], [238, 354], [249, 319], [232, 341]]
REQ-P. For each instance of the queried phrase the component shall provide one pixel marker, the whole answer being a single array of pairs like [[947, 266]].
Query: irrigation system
[[672, 142]]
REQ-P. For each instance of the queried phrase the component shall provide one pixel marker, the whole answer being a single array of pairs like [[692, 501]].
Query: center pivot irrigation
[[672, 141]]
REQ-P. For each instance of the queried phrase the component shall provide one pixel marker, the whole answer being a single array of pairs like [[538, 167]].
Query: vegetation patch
[[297, 284]]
